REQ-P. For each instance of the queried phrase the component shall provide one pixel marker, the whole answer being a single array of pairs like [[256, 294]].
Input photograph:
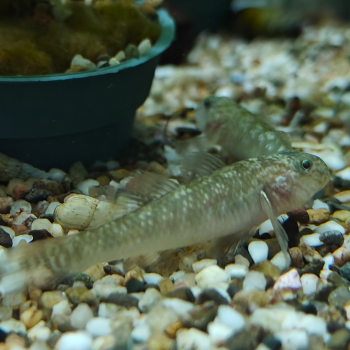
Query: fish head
[[294, 178], [212, 111]]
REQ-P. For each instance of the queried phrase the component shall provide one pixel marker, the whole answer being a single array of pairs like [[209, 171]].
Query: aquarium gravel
[[251, 299]]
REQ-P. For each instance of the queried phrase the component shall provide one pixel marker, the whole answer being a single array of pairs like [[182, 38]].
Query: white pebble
[[330, 226], [41, 224], [312, 240], [119, 57], [152, 278], [25, 238], [289, 280], [343, 197], [179, 306], [309, 282], [56, 230], [99, 326], [80, 316], [254, 280], [61, 308], [113, 61], [313, 325], [189, 339], [258, 250], [141, 333], [51, 208], [279, 260], [241, 260], [328, 261], [231, 318], [266, 226], [293, 339], [21, 205], [75, 341], [13, 325], [320, 205], [218, 332], [79, 60], [236, 270], [56, 175], [84, 186], [201, 264], [149, 298], [39, 332], [211, 275], [176, 275], [144, 46]]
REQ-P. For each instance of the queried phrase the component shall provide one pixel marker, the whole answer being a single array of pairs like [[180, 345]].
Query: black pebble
[[184, 293], [308, 308], [272, 343], [48, 217], [36, 195], [5, 239], [134, 285], [243, 340], [333, 326], [214, 295], [234, 287], [292, 229], [40, 234], [121, 299], [3, 336], [314, 267], [345, 271], [200, 318], [332, 238], [83, 277]]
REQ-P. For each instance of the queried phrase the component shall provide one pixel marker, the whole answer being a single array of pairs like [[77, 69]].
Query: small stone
[[244, 340], [330, 226], [5, 313], [152, 278], [241, 260], [84, 186], [40, 234], [300, 215], [131, 51], [79, 60], [31, 317], [19, 192], [339, 339], [289, 280], [113, 61], [5, 239], [14, 299], [187, 339], [318, 216], [236, 270], [341, 215], [75, 341], [234, 287], [160, 342], [141, 333], [201, 264], [183, 293], [126, 300], [312, 240], [248, 301], [36, 195], [99, 326], [80, 316], [309, 254], [134, 285], [165, 286], [339, 296], [95, 272], [212, 295], [150, 297], [49, 299], [105, 342], [5, 205], [332, 238], [268, 269], [56, 230], [144, 46], [13, 325], [309, 283], [258, 250], [345, 271], [211, 275], [254, 280], [319, 205]]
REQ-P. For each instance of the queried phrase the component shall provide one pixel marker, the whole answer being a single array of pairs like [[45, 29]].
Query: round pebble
[[98, 326], [80, 316], [254, 281], [75, 341], [258, 250]]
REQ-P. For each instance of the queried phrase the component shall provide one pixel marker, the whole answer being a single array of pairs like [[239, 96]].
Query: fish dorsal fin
[[281, 234], [199, 164], [141, 188]]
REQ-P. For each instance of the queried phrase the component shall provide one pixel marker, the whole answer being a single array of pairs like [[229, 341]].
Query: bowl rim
[[164, 41]]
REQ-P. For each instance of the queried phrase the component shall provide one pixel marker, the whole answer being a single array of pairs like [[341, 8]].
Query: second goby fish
[[230, 200], [239, 133]]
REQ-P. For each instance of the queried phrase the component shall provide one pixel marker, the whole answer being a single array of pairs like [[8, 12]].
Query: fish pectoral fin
[[199, 164], [280, 233], [141, 188]]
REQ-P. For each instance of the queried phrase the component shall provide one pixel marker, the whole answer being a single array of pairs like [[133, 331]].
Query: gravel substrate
[[249, 299]]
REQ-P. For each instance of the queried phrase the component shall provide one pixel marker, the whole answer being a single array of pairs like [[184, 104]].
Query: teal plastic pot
[[56, 120]]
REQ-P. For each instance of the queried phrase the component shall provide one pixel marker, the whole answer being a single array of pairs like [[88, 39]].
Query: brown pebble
[[309, 253], [34, 293], [165, 286], [159, 341], [247, 301], [55, 188], [31, 317], [155, 167], [318, 216], [119, 174], [19, 228], [39, 184], [172, 329], [19, 192], [14, 340], [103, 180], [299, 214], [341, 215], [297, 257], [5, 204], [137, 273]]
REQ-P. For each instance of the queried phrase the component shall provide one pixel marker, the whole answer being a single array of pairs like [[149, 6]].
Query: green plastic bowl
[[56, 120]]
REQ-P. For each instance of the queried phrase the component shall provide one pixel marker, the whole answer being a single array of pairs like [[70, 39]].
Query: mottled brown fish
[[239, 133], [230, 200]]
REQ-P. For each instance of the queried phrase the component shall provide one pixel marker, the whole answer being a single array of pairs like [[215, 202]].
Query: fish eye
[[306, 164], [207, 103]]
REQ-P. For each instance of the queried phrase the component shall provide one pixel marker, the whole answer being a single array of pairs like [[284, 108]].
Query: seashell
[[82, 212]]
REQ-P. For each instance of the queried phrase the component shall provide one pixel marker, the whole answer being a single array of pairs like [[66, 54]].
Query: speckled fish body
[[223, 203], [239, 133]]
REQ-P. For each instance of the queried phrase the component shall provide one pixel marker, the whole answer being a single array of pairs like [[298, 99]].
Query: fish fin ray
[[281, 234]]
